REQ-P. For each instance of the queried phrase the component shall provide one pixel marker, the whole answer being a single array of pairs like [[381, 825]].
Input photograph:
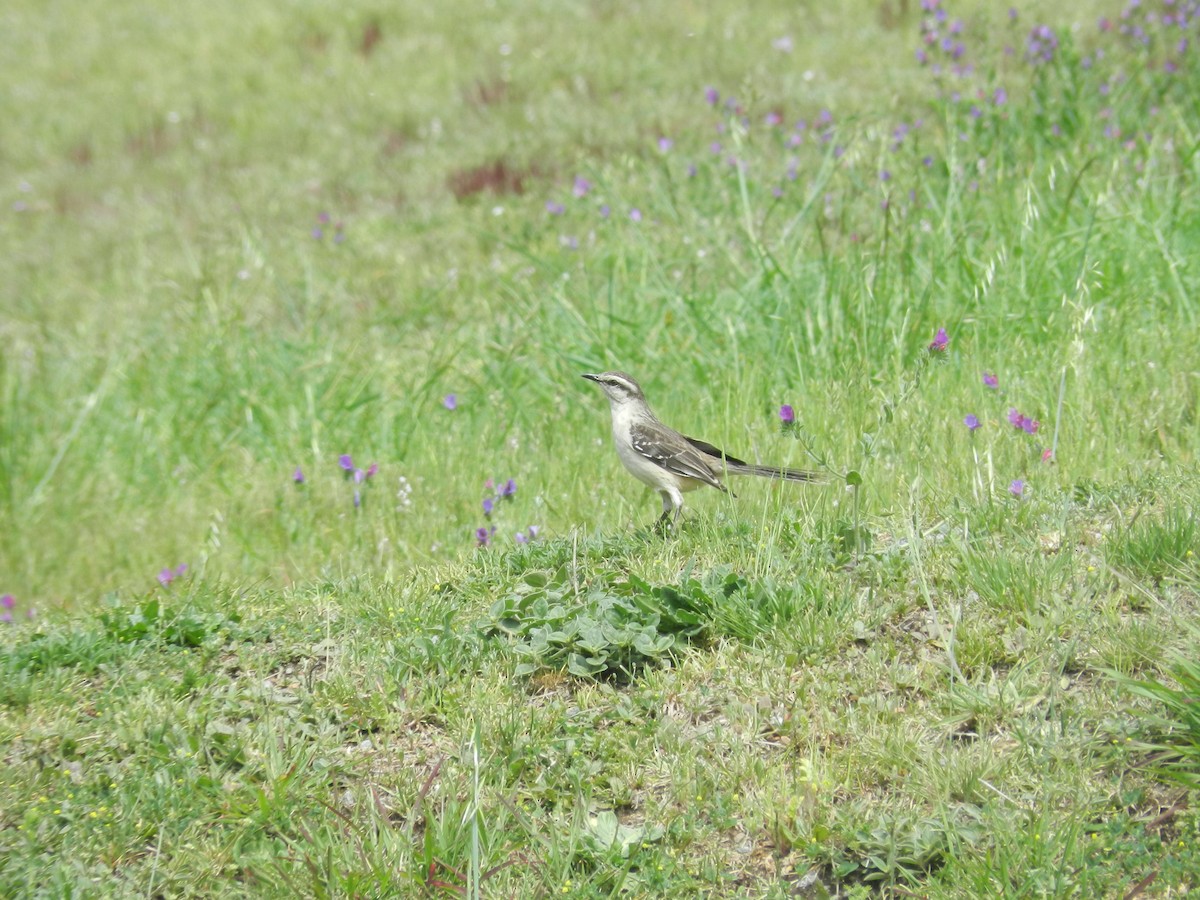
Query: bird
[[665, 460]]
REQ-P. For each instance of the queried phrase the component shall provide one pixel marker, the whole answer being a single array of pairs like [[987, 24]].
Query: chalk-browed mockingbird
[[666, 460]]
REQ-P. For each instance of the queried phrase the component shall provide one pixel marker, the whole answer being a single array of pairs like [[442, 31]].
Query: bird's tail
[[780, 472]]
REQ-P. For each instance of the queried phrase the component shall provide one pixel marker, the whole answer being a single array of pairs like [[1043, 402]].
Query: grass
[[242, 243]]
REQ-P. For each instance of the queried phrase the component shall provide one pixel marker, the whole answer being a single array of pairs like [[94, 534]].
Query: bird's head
[[619, 387]]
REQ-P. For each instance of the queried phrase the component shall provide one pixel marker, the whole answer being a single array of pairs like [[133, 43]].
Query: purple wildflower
[[635, 214], [298, 476], [450, 401], [359, 476], [1017, 488], [508, 488], [555, 208], [317, 234], [1041, 44], [711, 96], [940, 341], [165, 577], [346, 462], [990, 380], [581, 187], [8, 601], [520, 538], [972, 422], [605, 211], [488, 505], [484, 536], [323, 218], [1017, 419], [372, 469], [665, 144], [787, 415]]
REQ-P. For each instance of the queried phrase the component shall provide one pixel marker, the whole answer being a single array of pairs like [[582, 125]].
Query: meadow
[[321, 578]]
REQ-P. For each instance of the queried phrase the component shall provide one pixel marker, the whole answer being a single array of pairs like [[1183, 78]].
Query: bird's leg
[[672, 507]]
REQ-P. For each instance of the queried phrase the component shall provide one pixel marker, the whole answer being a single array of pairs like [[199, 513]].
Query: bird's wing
[[716, 452], [675, 454]]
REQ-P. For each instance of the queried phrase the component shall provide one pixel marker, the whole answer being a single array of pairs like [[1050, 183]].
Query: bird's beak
[[591, 377]]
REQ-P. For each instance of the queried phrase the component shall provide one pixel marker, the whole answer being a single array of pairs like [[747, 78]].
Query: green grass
[[908, 680]]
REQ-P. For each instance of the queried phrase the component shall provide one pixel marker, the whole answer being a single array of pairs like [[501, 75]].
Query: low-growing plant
[[58, 647], [591, 631], [1156, 547], [614, 626], [149, 618], [1171, 729], [892, 849]]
